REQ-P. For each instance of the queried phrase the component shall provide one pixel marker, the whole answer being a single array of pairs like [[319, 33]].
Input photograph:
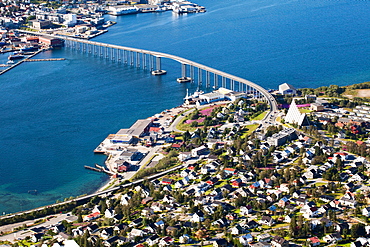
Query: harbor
[[25, 58]]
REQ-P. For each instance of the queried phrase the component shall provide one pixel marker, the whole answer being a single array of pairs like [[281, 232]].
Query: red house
[[212, 181], [237, 182], [230, 171], [167, 181], [124, 167]]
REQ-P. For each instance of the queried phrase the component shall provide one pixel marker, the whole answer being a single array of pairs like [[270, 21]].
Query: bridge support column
[[192, 73], [215, 81], [125, 56], [207, 79], [151, 61], [200, 76], [183, 70], [144, 60], [158, 63], [232, 84], [131, 58], [224, 82]]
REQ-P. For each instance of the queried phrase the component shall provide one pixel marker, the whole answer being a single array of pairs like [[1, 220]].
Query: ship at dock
[[16, 56], [122, 10]]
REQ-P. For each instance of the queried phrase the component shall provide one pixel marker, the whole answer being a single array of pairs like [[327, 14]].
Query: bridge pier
[[192, 73], [131, 58], [151, 58], [215, 81], [183, 70], [207, 79], [158, 63], [199, 76]]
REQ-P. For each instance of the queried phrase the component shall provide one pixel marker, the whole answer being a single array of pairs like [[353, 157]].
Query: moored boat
[[16, 56], [28, 48]]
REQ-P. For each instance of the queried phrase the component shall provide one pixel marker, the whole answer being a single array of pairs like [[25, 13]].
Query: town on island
[[285, 167]]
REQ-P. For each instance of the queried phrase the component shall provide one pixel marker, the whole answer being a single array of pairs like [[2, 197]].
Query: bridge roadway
[[264, 92]]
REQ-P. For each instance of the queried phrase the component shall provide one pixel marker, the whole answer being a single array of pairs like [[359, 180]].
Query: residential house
[[220, 243], [332, 238], [366, 211], [237, 182], [165, 241], [246, 210], [267, 220], [93, 228], [283, 202], [184, 239], [109, 213], [91, 216], [197, 217], [237, 230], [314, 241], [278, 241], [246, 239], [152, 240], [36, 237], [106, 233], [265, 237]]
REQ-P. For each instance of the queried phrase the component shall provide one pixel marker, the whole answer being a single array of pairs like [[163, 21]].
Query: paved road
[[26, 232]]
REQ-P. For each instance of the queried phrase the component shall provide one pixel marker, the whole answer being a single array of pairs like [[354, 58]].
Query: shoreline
[[151, 153]]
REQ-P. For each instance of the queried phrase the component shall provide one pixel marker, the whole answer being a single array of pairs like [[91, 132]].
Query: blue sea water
[[53, 114]]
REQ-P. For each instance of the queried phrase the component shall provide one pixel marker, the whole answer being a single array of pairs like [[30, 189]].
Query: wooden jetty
[[93, 168], [99, 168]]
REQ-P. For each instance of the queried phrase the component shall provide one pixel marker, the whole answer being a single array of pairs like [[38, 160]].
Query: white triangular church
[[295, 116]]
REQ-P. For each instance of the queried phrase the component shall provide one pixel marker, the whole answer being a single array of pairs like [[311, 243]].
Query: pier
[[20, 62], [98, 168], [152, 61]]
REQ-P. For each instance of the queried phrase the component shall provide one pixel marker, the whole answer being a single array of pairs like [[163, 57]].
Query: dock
[[20, 62], [99, 168], [28, 59]]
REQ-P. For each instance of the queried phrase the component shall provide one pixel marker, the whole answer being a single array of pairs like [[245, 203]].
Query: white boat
[[10, 62], [160, 9], [16, 56]]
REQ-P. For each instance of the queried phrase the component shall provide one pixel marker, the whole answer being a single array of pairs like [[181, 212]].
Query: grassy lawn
[[250, 128], [185, 127], [221, 184], [320, 184], [305, 111], [260, 117], [280, 225]]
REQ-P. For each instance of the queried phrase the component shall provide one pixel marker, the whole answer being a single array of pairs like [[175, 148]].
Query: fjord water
[[53, 114]]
